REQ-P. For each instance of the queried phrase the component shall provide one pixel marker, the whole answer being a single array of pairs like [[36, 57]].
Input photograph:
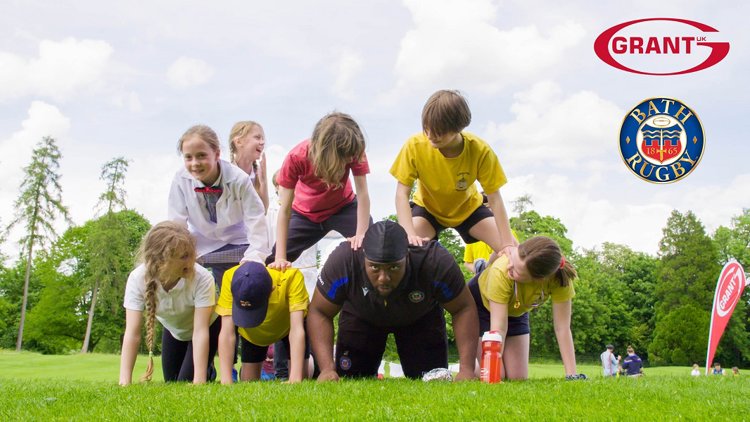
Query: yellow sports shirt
[[477, 250], [289, 295], [496, 285], [446, 185]]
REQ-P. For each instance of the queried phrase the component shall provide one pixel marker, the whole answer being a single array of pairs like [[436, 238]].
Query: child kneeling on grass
[[518, 282], [267, 305], [172, 288]]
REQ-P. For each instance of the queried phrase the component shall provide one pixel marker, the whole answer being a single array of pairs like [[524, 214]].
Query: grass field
[[76, 387]]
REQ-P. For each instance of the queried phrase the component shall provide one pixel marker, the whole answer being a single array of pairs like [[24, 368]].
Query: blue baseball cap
[[251, 288]]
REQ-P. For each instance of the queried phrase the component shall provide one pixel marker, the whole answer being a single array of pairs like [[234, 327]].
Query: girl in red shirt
[[315, 193]]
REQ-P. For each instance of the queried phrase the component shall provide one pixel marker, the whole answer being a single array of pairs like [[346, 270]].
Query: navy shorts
[[478, 215], [421, 345], [303, 233], [517, 326]]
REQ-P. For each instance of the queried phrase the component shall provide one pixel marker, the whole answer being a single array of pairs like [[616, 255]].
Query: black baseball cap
[[385, 241], [251, 288]]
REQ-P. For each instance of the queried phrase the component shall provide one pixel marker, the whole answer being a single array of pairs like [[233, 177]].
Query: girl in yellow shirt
[[518, 282]]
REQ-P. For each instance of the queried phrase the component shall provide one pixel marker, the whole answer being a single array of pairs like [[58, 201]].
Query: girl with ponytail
[[518, 282], [170, 287]]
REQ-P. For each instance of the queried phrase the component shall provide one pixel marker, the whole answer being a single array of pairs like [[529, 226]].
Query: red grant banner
[[728, 293]]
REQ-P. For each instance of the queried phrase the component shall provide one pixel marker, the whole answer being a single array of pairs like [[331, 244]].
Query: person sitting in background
[[717, 369], [735, 371], [609, 361], [696, 372], [632, 365]]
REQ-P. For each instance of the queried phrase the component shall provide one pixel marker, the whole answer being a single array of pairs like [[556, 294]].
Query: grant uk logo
[[661, 140], [661, 46]]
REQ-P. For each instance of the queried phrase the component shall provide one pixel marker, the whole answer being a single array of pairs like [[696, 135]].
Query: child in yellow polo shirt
[[447, 161], [267, 306]]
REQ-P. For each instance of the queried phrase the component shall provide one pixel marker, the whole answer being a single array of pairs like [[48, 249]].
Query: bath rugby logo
[[661, 46], [661, 140], [416, 296], [345, 363]]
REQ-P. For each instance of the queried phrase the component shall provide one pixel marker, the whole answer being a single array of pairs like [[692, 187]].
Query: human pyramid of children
[[387, 278]]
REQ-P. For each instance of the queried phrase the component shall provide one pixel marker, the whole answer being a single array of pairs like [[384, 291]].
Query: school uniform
[[175, 310], [238, 217]]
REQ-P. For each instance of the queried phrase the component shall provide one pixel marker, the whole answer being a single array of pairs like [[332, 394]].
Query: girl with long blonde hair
[[170, 287]]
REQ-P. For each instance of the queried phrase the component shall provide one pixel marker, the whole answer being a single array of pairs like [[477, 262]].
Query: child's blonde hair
[[543, 258], [335, 142], [445, 112], [165, 240], [239, 130], [205, 133]]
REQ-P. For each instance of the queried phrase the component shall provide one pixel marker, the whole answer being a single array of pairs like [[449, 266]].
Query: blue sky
[[112, 79]]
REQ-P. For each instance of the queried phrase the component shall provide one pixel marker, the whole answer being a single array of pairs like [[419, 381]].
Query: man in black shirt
[[388, 287]]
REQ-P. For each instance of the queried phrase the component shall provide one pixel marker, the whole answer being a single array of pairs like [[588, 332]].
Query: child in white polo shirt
[[172, 288]]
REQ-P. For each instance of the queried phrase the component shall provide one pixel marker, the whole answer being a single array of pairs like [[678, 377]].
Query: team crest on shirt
[[661, 140], [416, 296], [345, 363], [462, 184]]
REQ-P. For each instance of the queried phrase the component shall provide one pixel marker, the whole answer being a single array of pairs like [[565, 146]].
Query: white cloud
[[591, 218], [15, 152], [551, 129], [130, 101], [455, 43], [147, 184], [348, 66], [186, 72], [62, 69]]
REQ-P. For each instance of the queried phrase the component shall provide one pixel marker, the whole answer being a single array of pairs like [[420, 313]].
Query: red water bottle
[[491, 368]]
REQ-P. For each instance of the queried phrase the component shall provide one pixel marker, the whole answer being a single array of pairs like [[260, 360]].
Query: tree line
[[64, 293]]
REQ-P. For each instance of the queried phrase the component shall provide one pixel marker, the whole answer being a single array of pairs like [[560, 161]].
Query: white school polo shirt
[[175, 309]]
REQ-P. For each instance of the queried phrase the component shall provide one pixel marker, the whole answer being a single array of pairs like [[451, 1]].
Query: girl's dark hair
[[543, 258]]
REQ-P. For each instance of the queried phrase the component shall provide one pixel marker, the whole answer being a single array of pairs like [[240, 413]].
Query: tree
[[106, 238], [58, 323], [616, 287], [38, 207], [522, 203], [530, 223], [734, 242], [686, 277]]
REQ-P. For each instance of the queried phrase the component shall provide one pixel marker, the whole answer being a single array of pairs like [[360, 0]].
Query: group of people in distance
[[716, 370], [388, 277], [631, 366]]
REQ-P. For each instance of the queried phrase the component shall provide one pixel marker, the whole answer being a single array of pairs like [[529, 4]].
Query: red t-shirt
[[312, 198]]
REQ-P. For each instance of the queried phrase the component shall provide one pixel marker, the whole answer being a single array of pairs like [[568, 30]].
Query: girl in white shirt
[[218, 203], [181, 294]]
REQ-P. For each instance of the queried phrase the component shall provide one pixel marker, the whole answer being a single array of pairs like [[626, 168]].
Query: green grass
[[36, 387]]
